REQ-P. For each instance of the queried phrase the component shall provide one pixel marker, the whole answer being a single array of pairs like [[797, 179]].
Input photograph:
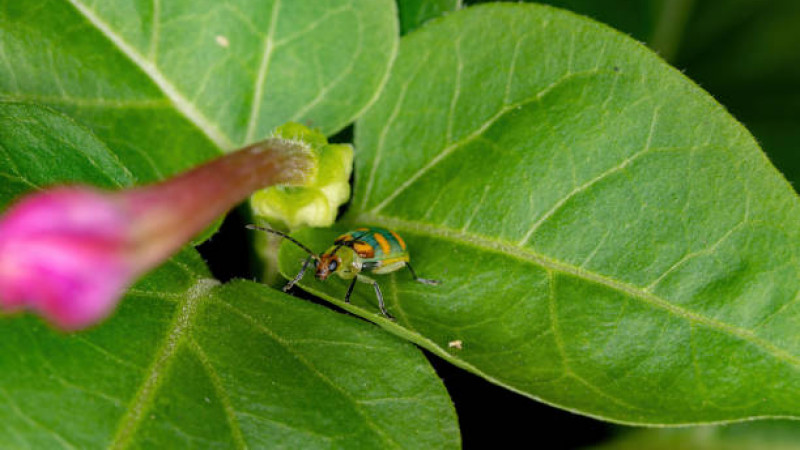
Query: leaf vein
[[106, 353], [385, 130], [311, 26], [263, 71], [155, 32], [56, 375], [456, 90], [290, 427], [90, 102], [219, 389], [474, 135], [31, 421], [689, 256], [142, 400], [312, 369], [188, 109], [335, 82], [582, 188], [512, 69], [525, 254]]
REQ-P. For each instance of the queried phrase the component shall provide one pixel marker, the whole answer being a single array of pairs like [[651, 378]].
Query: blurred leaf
[[39, 146], [169, 84], [761, 435], [610, 240], [414, 13], [187, 362]]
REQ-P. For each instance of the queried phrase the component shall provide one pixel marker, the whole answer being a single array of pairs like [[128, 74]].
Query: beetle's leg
[[378, 294], [350, 290], [421, 280], [381, 305], [299, 276]]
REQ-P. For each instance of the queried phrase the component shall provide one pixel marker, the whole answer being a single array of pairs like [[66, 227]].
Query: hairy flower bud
[[315, 203]]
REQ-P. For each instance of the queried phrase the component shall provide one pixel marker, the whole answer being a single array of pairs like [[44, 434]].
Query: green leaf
[[40, 147], [414, 13], [609, 239], [187, 362], [763, 435], [169, 84]]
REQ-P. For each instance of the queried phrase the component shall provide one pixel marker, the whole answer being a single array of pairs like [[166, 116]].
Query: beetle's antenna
[[285, 236]]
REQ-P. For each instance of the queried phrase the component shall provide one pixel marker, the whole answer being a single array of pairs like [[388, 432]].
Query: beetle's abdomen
[[375, 244]]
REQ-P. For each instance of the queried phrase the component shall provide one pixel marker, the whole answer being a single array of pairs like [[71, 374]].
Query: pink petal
[[63, 253]]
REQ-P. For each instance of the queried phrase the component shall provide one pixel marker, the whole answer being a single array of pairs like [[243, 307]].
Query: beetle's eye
[[332, 266]]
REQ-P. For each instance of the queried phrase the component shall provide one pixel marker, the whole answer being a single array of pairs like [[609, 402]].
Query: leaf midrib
[[173, 339], [263, 70], [179, 101], [505, 248], [189, 110]]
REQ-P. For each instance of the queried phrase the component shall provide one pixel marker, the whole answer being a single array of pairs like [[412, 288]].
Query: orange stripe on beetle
[[399, 240], [364, 250], [385, 246]]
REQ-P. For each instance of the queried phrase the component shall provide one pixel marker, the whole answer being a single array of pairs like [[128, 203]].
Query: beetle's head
[[328, 264]]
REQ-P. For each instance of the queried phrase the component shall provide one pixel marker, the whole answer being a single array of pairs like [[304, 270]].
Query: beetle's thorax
[[344, 257]]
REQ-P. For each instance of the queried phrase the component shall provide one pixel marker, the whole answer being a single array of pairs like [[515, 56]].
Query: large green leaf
[[610, 240], [168, 84], [187, 362], [33, 157], [414, 13]]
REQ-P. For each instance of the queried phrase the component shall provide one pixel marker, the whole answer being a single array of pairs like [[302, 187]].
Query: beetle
[[371, 250]]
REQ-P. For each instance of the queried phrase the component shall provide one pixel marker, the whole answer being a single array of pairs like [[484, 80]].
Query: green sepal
[[316, 203]]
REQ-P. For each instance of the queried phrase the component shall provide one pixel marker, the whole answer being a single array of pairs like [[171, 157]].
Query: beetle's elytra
[[364, 250]]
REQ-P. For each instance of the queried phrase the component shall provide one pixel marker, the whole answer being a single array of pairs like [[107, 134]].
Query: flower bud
[[65, 254], [316, 203], [69, 253]]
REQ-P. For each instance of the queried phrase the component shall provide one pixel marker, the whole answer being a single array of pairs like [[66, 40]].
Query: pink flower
[[69, 253]]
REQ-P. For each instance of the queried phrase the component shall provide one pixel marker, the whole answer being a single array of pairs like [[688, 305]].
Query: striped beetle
[[364, 250]]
